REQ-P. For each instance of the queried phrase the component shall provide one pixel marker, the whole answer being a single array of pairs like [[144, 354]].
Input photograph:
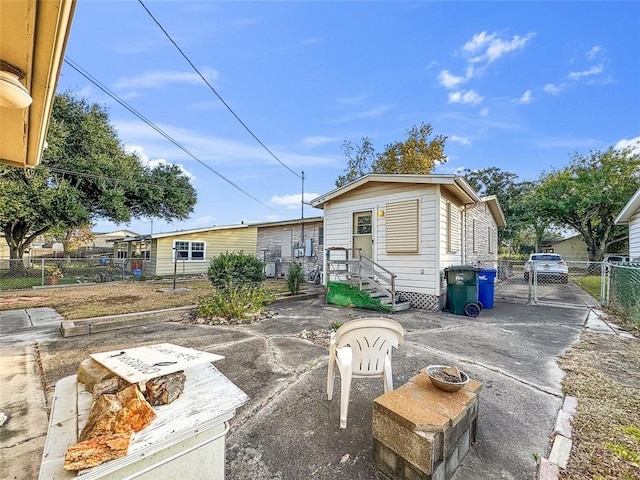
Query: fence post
[[42, 271]]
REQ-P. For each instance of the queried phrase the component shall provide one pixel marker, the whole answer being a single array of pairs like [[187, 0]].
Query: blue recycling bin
[[486, 284]]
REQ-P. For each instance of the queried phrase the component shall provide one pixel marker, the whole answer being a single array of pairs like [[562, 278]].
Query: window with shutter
[[402, 226]]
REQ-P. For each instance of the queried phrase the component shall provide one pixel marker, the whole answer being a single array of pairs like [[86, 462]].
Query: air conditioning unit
[[270, 269]]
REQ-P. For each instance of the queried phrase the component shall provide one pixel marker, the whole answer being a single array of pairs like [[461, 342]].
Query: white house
[[413, 226], [630, 215]]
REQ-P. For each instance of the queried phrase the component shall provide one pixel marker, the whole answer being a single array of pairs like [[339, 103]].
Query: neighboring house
[[630, 215], [105, 240], [414, 226], [188, 251], [282, 243], [571, 248], [33, 37]]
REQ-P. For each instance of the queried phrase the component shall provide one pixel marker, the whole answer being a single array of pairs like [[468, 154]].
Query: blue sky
[[516, 85]]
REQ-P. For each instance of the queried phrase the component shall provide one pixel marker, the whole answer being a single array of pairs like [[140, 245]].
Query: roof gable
[[629, 210], [453, 183]]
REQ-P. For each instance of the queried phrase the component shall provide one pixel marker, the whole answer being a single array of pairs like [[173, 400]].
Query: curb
[[549, 468], [87, 326]]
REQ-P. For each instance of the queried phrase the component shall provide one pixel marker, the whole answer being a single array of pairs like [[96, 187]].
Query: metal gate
[[517, 282]]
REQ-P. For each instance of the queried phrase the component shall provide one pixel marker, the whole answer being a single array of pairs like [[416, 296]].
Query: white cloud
[[478, 41], [483, 49], [309, 41], [484, 112], [465, 96], [552, 89], [526, 98], [356, 100], [595, 70], [206, 220], [213, 151], [161, 78], [633, 143], [291, 201], [460, 140], [370, 113], [144, 158], [448, 80], [488, 48], [591, 54], [316, 141]]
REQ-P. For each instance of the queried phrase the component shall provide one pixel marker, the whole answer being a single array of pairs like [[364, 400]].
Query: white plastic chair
[[362, 349]]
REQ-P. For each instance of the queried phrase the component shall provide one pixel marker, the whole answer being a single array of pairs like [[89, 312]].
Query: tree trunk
[[16, 265]]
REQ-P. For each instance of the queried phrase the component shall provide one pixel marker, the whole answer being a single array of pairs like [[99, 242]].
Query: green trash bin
[[462, 290]]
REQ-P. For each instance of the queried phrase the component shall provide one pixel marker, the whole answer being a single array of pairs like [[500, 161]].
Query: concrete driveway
[[289, 430]]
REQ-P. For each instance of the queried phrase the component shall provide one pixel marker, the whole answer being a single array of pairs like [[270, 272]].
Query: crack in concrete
[[43, 381], [22, 442], [492, 368]]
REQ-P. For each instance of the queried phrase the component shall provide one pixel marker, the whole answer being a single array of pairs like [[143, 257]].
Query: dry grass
[[98, 300], [603, 372]]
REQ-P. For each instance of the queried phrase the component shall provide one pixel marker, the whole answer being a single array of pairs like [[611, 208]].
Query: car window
[[547, 258]]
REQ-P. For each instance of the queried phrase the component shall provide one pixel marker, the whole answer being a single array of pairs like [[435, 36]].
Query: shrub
[[230, 270], [236, 301], [295, 278]]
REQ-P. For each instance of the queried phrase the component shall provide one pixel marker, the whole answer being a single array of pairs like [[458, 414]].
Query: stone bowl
[[443, 384]]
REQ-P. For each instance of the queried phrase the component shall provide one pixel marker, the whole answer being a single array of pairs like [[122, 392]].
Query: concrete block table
[[421, 432]]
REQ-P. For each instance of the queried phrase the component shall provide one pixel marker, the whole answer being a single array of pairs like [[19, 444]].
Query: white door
[[362, 234]]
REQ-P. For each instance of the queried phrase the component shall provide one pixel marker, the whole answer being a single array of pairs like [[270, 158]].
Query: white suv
[[548, 266], [615, 258]]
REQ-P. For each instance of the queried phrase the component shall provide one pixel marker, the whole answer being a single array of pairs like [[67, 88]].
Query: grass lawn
[[603, 372], [590, 284], [96, 300]]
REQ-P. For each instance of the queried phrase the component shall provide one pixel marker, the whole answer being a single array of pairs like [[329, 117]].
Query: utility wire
[[106, 90], [115, 180], [215, 92]]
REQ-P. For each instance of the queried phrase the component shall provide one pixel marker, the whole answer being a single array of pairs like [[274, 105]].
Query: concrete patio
[[289, 430]]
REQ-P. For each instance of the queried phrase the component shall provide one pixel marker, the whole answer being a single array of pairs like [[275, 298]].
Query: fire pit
[[446, 377]]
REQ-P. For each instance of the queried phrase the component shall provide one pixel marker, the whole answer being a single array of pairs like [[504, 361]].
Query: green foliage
[[86, 175], [295, 278], [346, 295], [229, 270], [335, 325], [236, 301], [588, 194], [417, 154]]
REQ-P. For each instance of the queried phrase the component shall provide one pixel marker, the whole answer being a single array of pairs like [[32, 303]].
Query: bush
[[231, 270], [295, 278], [236, 301]]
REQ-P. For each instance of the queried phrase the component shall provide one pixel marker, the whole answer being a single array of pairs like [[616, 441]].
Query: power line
[[115, 180], [214, 90], [106, 90]]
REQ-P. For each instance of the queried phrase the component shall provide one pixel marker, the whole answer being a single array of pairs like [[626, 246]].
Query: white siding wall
[[416, 273], [454, 255], [634, 236], [485, 252]]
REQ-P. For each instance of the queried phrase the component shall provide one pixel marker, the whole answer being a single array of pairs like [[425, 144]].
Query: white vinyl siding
[[416, 272], [450, 238], [634, 237], [481, 236], [402, 226]]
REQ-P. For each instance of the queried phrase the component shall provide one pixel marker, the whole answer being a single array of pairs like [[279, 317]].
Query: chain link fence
[[37, 272], [621, 290], [524, 282]]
